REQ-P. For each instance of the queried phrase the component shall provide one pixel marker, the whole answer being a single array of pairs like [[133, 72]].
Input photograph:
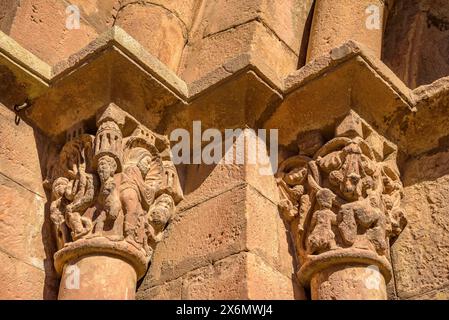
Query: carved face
[[295, 176], [144, 164], [60, 186], [106, 167], [161, 211], [350, 186]]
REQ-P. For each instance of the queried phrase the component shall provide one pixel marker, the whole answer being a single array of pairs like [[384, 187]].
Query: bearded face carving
[[114, 185], [344, 194]]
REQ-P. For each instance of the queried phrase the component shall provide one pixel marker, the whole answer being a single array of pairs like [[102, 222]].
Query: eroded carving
[[344, 194], [120, 185]]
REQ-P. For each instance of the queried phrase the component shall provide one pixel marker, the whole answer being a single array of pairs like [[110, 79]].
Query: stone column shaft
[[337, 21]]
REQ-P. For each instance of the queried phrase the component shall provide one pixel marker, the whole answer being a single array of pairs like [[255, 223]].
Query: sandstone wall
[[421, 255], [227, 241], [416, 41], [237, 62], [25, 247]]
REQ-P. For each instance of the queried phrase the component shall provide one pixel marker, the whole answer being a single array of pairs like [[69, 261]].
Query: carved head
[[161, 212], [59, 187], [107, 167], [144, 164], [296, 176], [325, 198]]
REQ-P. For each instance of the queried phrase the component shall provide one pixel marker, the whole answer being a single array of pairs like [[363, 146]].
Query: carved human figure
[[140, 181], [322, 237], [109, 196], [364, 215], [81, 184], [56, 210], [160, 213]]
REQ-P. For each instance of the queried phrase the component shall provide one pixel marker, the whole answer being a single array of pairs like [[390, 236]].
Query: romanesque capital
[[113, 193], [342, 198]]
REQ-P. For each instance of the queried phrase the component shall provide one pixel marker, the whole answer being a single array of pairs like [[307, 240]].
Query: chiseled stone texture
[[337, 21], [25, 242], [420, 256], [269, 31], [205, 55], [235, 221], [438, 294], [40, 27], [240, 276], [158, 30], [21, 281]]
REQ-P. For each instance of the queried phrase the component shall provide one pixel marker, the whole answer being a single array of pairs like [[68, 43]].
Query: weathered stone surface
[[210, 231], [21, 281], [50, 40], [349, 283], [437, 294], [236, 220], [416, 41], [266, 283], [89, 278], [203, 182], [239, 276], [337, 21], [420, 255], [286, 19], [21, 150], [21, 223], [100, 14], [204, 55], [171, 290], [184, 11], [157, 29]]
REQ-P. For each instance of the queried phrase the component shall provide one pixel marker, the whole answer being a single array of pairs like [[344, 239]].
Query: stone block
[[438, 294], [40, 27], [207, 232], [22, 227], [98, 14], [240, 276], [266, 283], [203, 56], [237, 220], [21, 281], [156, 29], [336, 22], [420, 256], [20, 152], [184, 10], [226, 279], [285, 18], [171, 290]]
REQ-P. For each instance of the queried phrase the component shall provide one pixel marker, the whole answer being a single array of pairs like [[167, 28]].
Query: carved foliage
[[345, 193], [120, 184]]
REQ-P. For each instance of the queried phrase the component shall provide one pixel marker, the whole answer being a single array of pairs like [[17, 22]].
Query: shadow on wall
[[25, 235], [416, 41]]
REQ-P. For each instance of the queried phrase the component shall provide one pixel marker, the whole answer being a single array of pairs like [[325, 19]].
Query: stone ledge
[[115, 51]]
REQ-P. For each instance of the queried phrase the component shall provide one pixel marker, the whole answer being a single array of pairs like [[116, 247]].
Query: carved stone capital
[[114, 191], [342, 198]]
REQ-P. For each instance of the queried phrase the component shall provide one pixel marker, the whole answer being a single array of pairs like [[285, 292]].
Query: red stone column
[[338, 21], [99, 269]]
